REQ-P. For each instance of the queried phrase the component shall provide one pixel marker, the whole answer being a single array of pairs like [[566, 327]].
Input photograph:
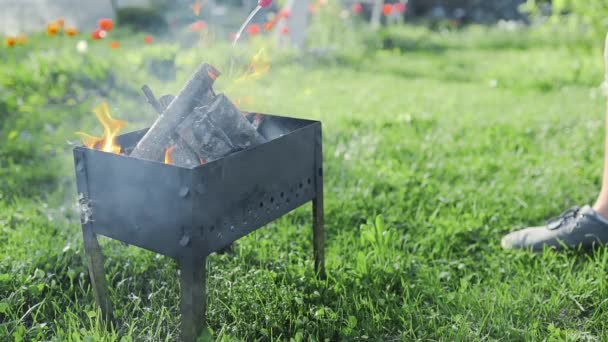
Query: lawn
[[433, 150]]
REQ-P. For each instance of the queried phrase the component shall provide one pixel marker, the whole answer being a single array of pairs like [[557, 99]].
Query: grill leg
[[318, 234], [96, 271], [193, 301]]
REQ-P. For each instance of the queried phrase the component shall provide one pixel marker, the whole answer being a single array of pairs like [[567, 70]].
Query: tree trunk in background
[[376, 14], [297, 23]]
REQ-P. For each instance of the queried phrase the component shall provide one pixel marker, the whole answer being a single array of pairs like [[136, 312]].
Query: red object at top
[[399, 7], [106, 24], [198, 26], [98, 34], [284, 13], [284, 30], [269, 26], [357, 8], [253, 29], [264, 3], [148, 39], [387, 9]]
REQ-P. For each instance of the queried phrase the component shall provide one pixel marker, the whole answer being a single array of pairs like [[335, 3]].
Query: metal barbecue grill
[[189, 213]]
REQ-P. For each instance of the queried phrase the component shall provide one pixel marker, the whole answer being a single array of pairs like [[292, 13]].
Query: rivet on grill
[[185, 240], [232, 228], [184, 191]]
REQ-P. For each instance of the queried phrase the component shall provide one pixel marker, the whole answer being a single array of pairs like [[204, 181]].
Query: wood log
[[182, 155], [217, 130], [197, 92], [179, 153], [151, 99]]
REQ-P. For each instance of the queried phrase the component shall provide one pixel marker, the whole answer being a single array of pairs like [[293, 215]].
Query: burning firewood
[[197, 92], [196, 125], [218, 129], [177, 153]]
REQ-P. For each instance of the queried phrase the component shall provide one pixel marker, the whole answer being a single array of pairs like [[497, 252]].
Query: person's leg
[[576, 227], [601, 204]]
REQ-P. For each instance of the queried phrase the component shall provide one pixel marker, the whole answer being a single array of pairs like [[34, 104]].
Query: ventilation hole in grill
[[297, 194], [308, 181], [320, 172], [212, 228], [271, 199], [288, 200], [300, 185], [261, 204], [282, 194]]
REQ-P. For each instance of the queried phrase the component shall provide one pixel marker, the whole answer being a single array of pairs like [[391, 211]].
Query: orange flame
[[111, 127], [258, 67], [168, 158]]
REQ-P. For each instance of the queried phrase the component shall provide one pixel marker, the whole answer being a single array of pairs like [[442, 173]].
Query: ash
[[86, 211]]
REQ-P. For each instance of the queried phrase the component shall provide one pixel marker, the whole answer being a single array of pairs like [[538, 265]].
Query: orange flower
[[284, 13], [399, 7], [196, 7], [10, 41], [114, 44], [198, 25], [387, 9], [106, 24], [268, 26], [148, 39], [60, 22], [70, 31], [52, 29], [21, 39], [98, 34], [253, 29]]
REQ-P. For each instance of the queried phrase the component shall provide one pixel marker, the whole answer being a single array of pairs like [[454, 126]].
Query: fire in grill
[[254, 171]]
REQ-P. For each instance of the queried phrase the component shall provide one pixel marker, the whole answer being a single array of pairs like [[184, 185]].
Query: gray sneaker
[[575, 227]]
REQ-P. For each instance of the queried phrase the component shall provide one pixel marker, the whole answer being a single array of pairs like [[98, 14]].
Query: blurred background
[[445, 125]]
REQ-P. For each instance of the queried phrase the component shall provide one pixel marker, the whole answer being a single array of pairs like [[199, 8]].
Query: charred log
[[197, 92], [217, 130]]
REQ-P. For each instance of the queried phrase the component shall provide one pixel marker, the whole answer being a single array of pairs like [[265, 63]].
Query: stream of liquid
[[240, 32]]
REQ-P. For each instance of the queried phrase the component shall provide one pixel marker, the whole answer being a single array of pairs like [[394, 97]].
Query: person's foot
[[575, 227]]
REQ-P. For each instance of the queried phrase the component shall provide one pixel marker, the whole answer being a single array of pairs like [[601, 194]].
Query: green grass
[[431, 155]]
